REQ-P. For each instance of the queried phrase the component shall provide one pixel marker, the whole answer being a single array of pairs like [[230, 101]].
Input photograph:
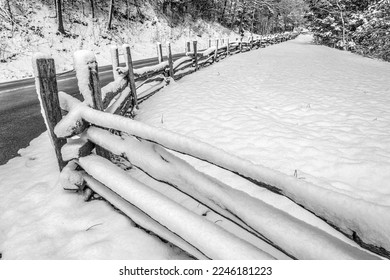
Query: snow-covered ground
[[308, 111]]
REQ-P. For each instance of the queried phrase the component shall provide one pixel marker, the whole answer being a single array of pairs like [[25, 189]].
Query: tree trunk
[[242, 18], [139, 12], [110, 15], [59, 17], [343, 24], [10, 12], [55, 7], [223, 11], [92, 8], [233, 14], [253, 21]]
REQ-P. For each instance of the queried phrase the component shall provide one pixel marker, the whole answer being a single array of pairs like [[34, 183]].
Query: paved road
[[20, 115]]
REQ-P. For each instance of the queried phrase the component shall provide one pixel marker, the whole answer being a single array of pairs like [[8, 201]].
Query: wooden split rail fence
[[121, 143]]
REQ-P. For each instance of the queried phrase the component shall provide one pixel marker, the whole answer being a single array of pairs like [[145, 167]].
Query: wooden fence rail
[[88, 125]]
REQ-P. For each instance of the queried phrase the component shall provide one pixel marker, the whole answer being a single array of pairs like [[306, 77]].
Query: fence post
[[96, 94], [195, 45], [216, 50], [188, 47], [251, 42], [227, 46], [209, 43], [159, 53], [241, 44], [45, 75], [114, 61], [129, 64], [170, 60]]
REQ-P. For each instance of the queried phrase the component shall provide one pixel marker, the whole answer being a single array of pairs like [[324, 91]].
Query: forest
[[361, 26]]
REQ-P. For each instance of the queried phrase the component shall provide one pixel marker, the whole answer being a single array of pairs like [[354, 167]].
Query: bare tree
[[234, 14], [59, 17], [92, 8], [223, 12], [9, 11], [110, 15], [341, 10]]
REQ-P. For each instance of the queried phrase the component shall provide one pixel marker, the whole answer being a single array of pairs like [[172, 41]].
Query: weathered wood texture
[[170, 61], [48, 92], [94, 85], [228, 46], [129, 64], [195, 45], [159, 53], [216, 50]]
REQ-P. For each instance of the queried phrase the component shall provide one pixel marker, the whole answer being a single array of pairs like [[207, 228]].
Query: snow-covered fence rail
[[147, 153], [86, 126]]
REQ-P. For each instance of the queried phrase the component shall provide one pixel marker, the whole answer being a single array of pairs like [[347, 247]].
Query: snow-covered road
[[305, 110]]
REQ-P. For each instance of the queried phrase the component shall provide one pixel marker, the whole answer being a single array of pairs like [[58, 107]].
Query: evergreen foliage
[[359, 26]]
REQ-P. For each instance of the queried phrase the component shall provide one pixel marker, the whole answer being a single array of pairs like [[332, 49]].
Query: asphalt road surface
[[20, 112]]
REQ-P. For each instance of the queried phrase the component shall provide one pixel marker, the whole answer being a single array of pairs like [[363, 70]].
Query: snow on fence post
[[159, 53], [195, 45], [170, 60], [216, 50], [115, 61], [46, 83], [87, 75], [188, 46], [129, 64]]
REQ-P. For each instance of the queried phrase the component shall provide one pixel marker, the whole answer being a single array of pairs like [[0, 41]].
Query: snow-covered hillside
[[37, 32]]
